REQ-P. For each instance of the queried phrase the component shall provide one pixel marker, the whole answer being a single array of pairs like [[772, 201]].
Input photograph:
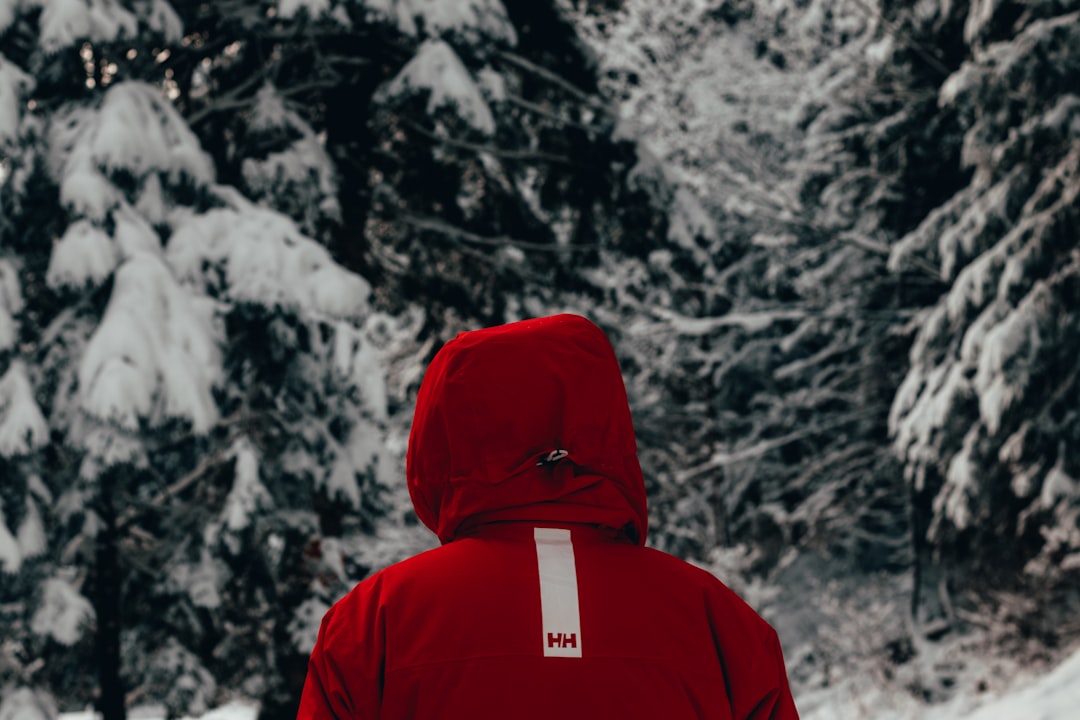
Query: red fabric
[[457, 632]]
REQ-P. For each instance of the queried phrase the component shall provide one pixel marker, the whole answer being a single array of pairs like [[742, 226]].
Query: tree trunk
[[106, 599]]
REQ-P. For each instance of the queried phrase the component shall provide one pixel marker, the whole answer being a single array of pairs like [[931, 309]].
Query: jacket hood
[[525, 421]]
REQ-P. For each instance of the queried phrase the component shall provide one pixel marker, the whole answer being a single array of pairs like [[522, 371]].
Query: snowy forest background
[[835, 244]]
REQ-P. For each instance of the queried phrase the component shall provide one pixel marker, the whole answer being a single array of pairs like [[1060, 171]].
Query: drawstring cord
[[551, 458]]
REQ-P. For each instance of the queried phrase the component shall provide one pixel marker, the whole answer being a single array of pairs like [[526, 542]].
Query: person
[[542, 601]]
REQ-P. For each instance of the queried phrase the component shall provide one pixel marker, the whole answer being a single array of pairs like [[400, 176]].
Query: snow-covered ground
[[1053, 695], [236, 710]]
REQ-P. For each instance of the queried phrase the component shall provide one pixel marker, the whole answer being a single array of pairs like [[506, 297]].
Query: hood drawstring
[[552, 457]]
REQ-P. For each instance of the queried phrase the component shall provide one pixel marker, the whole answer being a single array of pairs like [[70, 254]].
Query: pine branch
[[556, 79], [491, 149], [443, 228], [544, 112]]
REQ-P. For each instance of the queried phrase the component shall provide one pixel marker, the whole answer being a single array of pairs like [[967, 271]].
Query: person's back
[[541, 602]]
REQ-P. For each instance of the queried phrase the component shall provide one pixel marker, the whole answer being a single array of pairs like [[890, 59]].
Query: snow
[[85, 255], [248, 494], [155, 354], [7, 16], [304, 626], [1053, 695], [473, 21], [979, 16], [360, 364], [22, 426], [14, 82], [235, 710], [24, 703], [437, 70], [64, 22], [1009, 350], [264, 260], [11, 303], [31, 535], [269, 111], [10, 555], [201, 580], [63, 612], [133, 234], [395, 12], [136, 130], [288, 9], [162, 18], [303, 170]]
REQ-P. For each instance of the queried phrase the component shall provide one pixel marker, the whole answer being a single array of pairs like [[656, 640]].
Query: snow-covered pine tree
[[192, 408], [959, 155], [781, 437], [985, 420]]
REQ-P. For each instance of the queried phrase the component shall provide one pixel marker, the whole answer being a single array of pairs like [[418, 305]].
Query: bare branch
[[554, 78], [489, 149], [444, 228], [544, 112]]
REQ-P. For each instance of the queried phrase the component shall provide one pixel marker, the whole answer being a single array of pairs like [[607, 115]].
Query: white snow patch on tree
[[63, 613], [437, 70], [63, 22], [31, 535], [137, 131], [201, 580], [288, 9], [1009, 351], [14, 83], [264, 260], [304, 626], [155, 354], [85, 255], [248, 495], [398, 13], [151, 201], [22, 426], [133, 234], [303, 172], [7, 13], [24, 703], [192, 687], [162, 18], [269, 110], [10, 555], [11, 303], [492, 83], [360, 363], [107, 446], [474, 21]]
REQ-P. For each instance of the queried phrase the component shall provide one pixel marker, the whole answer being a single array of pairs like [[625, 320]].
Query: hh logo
[[562, 640]]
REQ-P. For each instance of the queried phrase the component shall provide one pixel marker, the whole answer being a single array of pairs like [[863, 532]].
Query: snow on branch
[[397, 13], [437, 70], [11, 304], [65, 22], [303, 171], [136, 130], [14, 83], [85, 255], [24, 703], [155, 354], [474, 22], [254, 255], [63, 612], [247, 497], [22, 426]]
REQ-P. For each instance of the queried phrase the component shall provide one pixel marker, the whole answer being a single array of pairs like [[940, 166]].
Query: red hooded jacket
[[542, 601]]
